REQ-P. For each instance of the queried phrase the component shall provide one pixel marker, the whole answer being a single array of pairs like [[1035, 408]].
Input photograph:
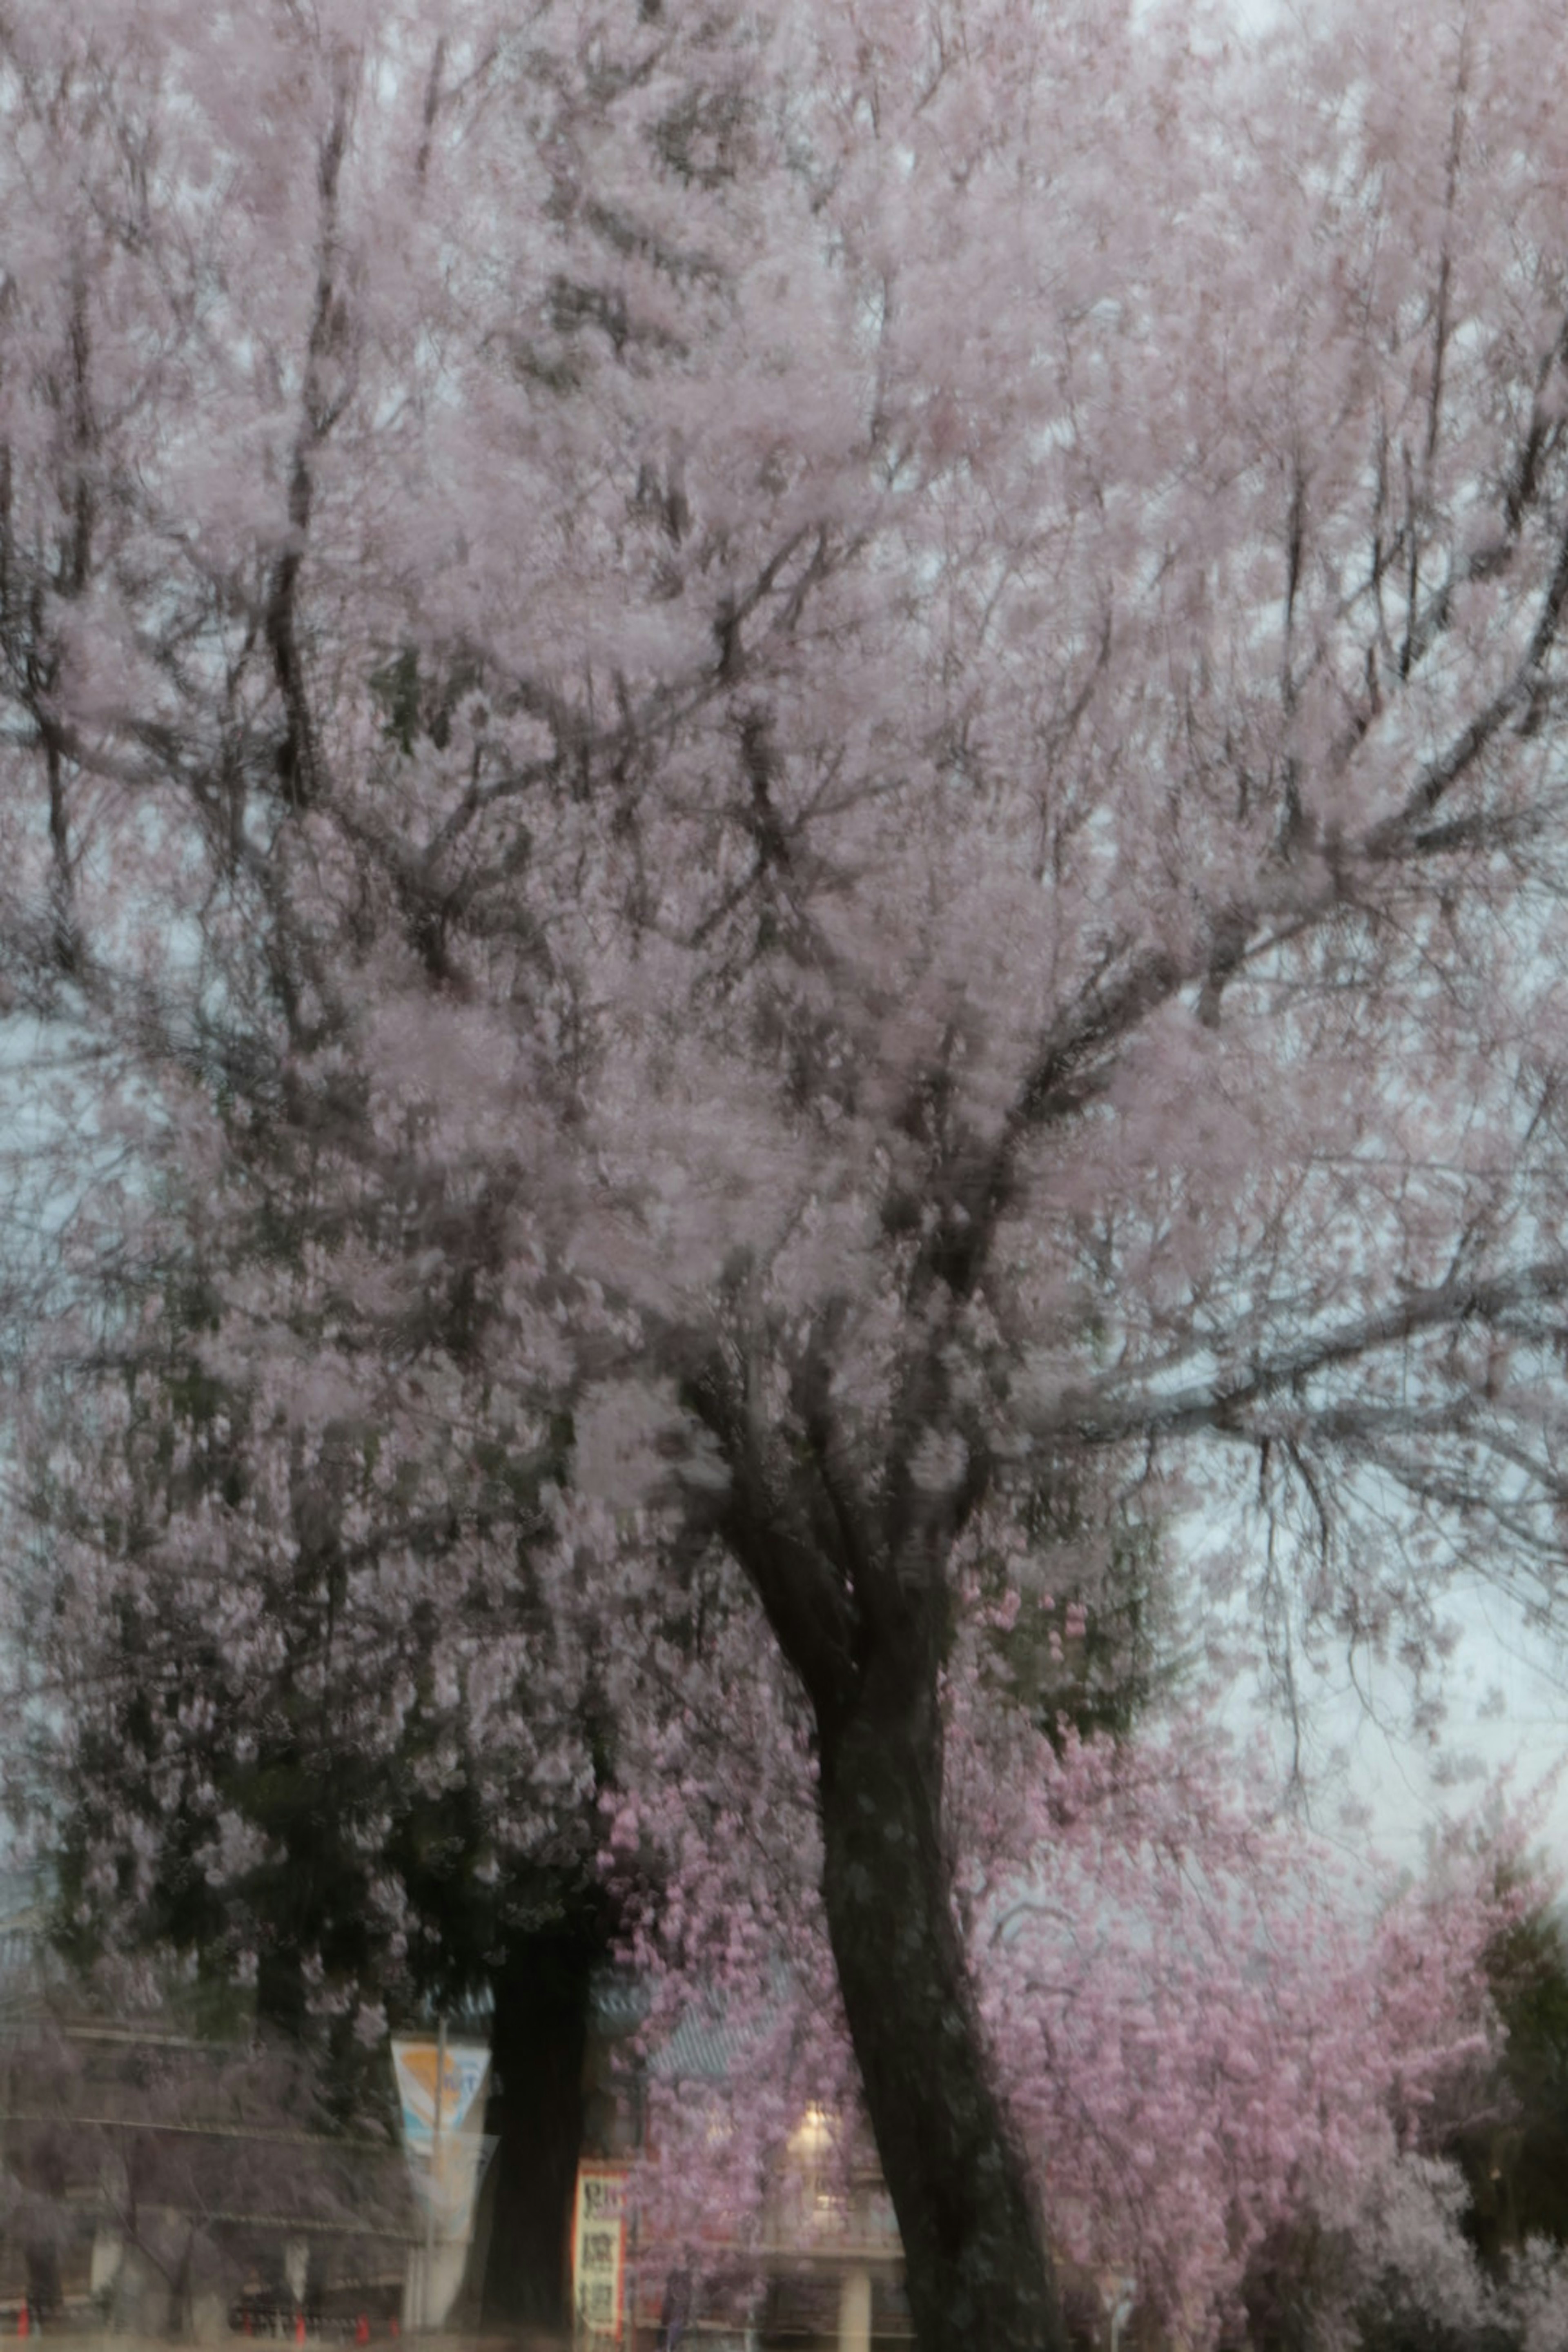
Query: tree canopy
[[824, 746]]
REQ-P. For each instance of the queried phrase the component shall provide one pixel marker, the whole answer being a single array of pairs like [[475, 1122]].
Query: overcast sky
[[1374, 1785]]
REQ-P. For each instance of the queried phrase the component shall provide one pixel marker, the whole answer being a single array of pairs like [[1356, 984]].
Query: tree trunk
[[978, 2271], [541, 1998]]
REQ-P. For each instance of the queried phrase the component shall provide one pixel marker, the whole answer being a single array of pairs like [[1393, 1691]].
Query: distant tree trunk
[[977, 2268], [539, 2038], [280, 1999]]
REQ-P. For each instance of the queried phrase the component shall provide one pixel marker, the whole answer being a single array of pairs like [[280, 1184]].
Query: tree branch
[[1221, 1406]]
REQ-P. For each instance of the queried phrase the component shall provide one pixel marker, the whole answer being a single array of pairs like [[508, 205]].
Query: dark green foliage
[[1095, 1659], [395, 686], [415, 704], [1517, 2161]]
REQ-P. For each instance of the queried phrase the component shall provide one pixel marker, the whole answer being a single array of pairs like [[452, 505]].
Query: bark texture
[[541, 1999], [977, 2268]]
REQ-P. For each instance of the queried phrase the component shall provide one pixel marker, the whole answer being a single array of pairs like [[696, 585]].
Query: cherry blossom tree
[[853, 722], [1222, 2042]]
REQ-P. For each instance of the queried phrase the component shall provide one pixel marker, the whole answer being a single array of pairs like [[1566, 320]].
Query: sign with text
[[462, 2079], [447, 2167], [599, 2250]]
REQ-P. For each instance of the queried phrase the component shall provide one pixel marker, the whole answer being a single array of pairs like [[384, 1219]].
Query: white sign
[[463, 2078], [599, 2250], [447, 2170], [454, 2182]]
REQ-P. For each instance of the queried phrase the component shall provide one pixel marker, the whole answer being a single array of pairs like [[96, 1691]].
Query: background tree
[[1513, 2164], [259, 1743], [902, 852]]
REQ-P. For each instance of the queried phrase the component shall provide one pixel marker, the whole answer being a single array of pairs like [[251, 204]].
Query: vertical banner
[[447, 2174], [599, 2251]]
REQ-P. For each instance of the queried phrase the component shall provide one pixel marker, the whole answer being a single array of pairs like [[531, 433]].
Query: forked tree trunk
[[978, 2273]]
